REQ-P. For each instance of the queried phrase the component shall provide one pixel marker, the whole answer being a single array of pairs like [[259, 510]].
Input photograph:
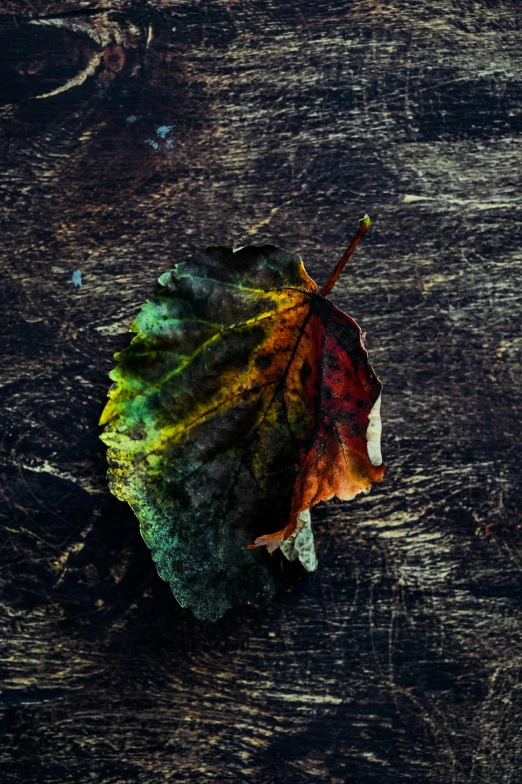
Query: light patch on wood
[[79, 79]]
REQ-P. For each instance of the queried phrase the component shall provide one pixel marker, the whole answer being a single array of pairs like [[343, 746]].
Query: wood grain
[[245, 122]]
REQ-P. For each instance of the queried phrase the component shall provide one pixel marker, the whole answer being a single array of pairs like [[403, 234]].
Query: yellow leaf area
[[240, 366]]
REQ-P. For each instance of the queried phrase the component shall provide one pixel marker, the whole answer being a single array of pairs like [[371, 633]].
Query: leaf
[[245, 398]]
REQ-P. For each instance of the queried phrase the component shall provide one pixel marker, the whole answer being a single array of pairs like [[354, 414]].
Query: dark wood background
[[246, 121]]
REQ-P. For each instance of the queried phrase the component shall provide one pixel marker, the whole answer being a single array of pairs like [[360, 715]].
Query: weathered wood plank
[[229, 123]]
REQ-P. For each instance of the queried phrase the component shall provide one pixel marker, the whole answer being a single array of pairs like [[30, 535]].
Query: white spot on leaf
[[301, 544], [373, 434]]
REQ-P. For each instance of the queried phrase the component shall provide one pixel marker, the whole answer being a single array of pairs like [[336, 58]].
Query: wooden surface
[[235, 122]]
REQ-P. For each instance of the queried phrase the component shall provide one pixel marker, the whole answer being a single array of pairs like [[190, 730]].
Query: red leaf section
[[341, 390]]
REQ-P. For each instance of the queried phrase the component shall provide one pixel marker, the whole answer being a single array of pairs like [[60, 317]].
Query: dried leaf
[[245, 398]]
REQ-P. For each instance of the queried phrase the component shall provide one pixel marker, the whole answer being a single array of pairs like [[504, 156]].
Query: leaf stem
[[364, 225]]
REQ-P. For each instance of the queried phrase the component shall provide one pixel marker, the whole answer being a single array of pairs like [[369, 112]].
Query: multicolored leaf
[[244, 399]]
